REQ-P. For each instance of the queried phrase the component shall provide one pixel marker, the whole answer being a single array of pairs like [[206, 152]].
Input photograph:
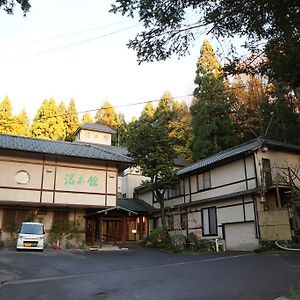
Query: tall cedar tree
[[7, 120], [150, 145], [176, 117], [181, 131], [62, 109], [22, 126], [211, 110], [263, 109], [107, 115], [87, 118], [72, 121], [48, 124], [148, 111]]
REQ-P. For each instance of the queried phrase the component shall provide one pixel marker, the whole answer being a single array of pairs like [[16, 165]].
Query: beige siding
[[68, 181], [230, 214], [227, 174], [8, 171]]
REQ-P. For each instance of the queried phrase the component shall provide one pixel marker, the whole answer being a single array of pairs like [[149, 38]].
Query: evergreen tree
[[212, 107], [120, 139], [148, 111], [7, 120], [47, 123], [22, 126], [72, 121], [62, 109], [87, 118], [164, 112], [150, 145], [181, 131], [107, 115]]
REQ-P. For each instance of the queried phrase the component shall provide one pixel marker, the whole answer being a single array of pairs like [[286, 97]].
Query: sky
[[76, 49]]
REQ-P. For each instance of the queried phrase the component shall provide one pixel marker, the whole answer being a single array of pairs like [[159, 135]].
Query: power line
[[21, 44], [70, 44]]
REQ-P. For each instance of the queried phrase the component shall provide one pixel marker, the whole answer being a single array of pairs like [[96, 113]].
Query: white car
[[31, 236]]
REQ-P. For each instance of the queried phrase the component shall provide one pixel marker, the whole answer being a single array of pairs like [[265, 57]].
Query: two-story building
[[243, 195], [70, 187]]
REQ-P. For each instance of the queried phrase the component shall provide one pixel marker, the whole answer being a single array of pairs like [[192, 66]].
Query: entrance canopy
[[105, 211]]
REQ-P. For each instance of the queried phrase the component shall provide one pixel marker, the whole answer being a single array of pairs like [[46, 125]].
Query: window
[[184, 221], [209, 221], [170, 222], [13, 218], [60, 220], [178, 190], [204, 181]]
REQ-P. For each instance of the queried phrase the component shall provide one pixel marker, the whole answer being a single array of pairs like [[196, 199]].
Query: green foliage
[[48, 123], [158, 238], [68, 231], [212, 125], [176, 117], [166, 31], [181, 131], [120, 138], [150, 145], [148, 111], [295, 292]]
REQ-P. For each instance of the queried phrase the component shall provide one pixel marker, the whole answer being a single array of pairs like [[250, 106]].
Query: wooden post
[[100, 232], [124, 231]]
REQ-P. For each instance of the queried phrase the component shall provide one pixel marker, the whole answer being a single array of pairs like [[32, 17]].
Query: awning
[[104, 211]]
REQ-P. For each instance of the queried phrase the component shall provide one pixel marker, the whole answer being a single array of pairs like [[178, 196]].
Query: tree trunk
[[163, 215], [160, 198]]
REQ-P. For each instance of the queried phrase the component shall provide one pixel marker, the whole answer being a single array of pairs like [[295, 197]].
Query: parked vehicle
[[31, 236]]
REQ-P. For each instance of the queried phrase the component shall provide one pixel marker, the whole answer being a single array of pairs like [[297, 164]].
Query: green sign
[[73, 180]]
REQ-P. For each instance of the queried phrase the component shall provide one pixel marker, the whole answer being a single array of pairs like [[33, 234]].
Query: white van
[[31, 236]]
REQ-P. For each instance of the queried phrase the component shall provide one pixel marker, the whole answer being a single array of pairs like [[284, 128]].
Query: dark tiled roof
[[115, 149], [235, 152], [82, 150], [136, 205], [96, 127], [178, 162]]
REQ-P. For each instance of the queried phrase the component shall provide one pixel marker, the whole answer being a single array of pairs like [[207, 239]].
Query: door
[[112, 230], [131, 230], [240, 237]]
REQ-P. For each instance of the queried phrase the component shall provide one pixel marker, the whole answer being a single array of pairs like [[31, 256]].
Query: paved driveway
[[146, 274]]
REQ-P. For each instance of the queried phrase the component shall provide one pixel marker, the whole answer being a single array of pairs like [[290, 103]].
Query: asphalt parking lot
[[141, 273]]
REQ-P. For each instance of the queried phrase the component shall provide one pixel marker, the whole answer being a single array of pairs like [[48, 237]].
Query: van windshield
[[32, 229]]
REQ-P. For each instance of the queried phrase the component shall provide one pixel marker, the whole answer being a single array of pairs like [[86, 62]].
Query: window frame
[[177, 191], [184, 220], [205, 180], [210, 220]]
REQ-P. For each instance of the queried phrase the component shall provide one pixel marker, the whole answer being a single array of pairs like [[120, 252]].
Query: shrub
[[159, 238]]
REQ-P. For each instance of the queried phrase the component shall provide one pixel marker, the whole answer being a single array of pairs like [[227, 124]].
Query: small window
[[184, 221], [204, 181], [170, 222], [209, 221], [177, 191]]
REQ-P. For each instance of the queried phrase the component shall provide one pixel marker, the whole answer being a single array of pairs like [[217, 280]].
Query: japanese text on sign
[[72, 179]]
